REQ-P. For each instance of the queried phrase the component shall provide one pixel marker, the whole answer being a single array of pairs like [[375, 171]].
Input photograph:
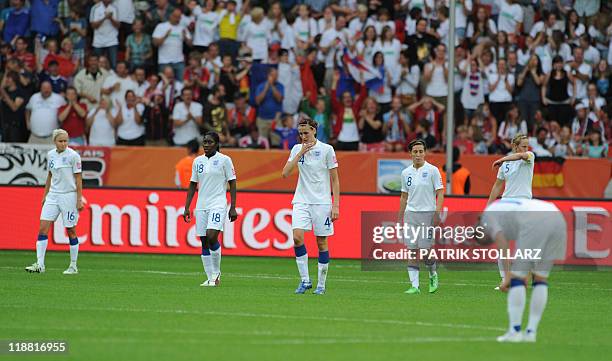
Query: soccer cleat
[[72, 270], [216, 279], [433, 283], [497, 288], [413, 291], [319, 291], [303, 287], [35, 268], [510, 336], [208, 283], [529, 336]]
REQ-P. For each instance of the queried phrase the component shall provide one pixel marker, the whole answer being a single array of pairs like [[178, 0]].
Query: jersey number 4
[[327, 222], [301, 160]]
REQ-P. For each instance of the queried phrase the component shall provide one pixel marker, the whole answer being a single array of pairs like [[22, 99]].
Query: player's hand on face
[[79, 205], [233, 215], [306, 147], [335, 213], [187, 215]]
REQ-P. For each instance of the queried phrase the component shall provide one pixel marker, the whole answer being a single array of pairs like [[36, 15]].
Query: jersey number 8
[[200, 168], [51, 164], [409, 181]]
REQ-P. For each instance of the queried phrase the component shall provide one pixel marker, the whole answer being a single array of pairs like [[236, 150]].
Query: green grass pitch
[[151, 307]]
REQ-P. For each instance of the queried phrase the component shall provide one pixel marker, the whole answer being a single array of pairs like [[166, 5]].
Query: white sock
[[432, 269], [216, 261], [516, 306], [74, 254], [413, 274], [208, 267], [500, 265], [539, 296], [302, 264], [41, 249], [322, 276]]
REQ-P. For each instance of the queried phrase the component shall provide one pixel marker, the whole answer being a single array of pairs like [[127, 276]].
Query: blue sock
[[323, 257], [300, 250], [74, 241], [42, 237], [536, 283], [215, 246], [205, 249]]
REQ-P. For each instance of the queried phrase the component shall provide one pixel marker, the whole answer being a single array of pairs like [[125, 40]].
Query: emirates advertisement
[[150, 221]]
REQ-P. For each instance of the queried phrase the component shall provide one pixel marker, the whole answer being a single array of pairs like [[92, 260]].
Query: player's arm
[[336, 193], [78, 178], [439, 203], [232, 212], [292, 163], [47, 186], [496, 190], [190, 192], [526, 156], [402, 209]]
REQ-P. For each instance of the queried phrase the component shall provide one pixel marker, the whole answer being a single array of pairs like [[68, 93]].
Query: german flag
[[548, 172]]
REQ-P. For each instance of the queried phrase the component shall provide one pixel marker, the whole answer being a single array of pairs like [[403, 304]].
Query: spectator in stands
[[594, 147], [435, 76], [157, 120], [269, 97], [396, 127], [169, 87], [116, 86], [101, 125], [581, 71], [139, 47], [206, 24], [67, 65], [72, 117], [197, 77], [423, 132], [13, 125], [126, 13], [371, 127], [593, 101], [409, 77], [320, 113], [333, 40], [481, 27], [17, 23], [182, 176], [228, 28], [565, 147], [43, 15], [511, 19], [286, 132], [186, 119], [464, 141], [158, 14], [88, 82], [429, 110], [253, 140], [41, 114], [528, 84], [169, 37], [21, 53], [58, 83], [556, 94], [104, 19], [512, 125], [538, 143], [257, 35], [290, 77], [241, 117], [75, 28], [227, 78], [383, 94], [142, 84], [602, 76], [472, 94], [421, 44], [347, 110], [501, 86], [130, 121]]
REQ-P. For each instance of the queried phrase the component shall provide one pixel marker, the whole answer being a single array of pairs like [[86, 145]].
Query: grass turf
[[144, 307]]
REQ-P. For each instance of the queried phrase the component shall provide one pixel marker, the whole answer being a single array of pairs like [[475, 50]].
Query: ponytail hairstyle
[[304, 119], [57, 132], [517, 139], [215, 137]]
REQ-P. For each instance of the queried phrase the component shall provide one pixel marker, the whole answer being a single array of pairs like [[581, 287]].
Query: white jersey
[[212, 175], [518, 175], [63, 166], [532, 223], [314, 186], [421, 185]]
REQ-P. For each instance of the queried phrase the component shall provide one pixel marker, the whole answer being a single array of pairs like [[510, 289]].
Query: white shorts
[[64, 203], [209, 219], [550, 236], [419, 222], [313, 216]]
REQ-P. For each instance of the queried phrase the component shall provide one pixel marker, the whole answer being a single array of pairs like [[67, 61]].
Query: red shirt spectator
[[66, 66], [73, 119]]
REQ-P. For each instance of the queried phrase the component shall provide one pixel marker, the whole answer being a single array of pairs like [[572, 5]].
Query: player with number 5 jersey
[[210, 174], [313, 208], [63, 195], [516, 173]]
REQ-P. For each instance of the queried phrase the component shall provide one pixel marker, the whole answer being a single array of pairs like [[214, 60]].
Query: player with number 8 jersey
[[63, 195], [312, 203], [210, 174]]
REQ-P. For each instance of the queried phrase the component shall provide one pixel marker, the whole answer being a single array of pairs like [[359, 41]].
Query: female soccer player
[[420, 205], [516, 171], [210, 174], [312, 202], [63, 194]]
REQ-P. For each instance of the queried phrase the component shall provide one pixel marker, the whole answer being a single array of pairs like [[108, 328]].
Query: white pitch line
[[259, 315], [463, 283]]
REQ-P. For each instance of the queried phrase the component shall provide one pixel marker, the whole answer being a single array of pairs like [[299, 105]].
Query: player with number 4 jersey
[[312, 203], [210, 174], [63, 195]]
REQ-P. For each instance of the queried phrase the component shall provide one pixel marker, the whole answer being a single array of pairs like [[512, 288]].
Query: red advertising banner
[[150, 221]]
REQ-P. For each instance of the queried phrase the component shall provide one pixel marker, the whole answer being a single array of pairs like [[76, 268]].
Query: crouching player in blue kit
[[210, 175], [312, 202], [63, 195], [535, 225]]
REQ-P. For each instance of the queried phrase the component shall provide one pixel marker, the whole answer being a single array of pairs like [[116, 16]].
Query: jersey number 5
[[507, 167]]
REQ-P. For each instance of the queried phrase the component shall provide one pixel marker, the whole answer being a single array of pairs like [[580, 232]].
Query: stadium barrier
[[258, 170], [150, 221]]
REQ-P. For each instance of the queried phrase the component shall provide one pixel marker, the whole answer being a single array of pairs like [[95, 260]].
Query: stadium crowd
[[373, 73]]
